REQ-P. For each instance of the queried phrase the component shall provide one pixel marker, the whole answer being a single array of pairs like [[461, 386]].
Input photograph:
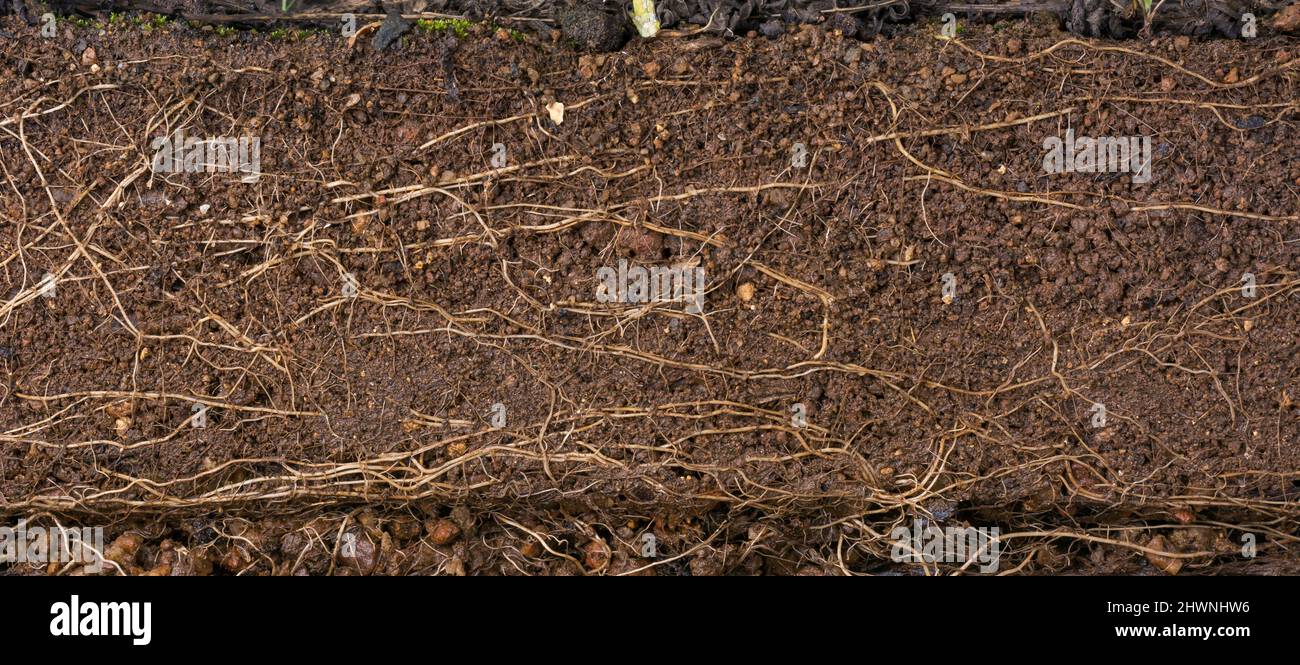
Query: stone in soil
[[394, 26], [592, 28]]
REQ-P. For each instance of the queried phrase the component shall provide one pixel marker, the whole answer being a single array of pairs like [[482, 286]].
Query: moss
[[457, 26]]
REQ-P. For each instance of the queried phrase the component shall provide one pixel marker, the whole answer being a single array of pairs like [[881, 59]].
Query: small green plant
[[149, 23], [225, 31], [286, 5]]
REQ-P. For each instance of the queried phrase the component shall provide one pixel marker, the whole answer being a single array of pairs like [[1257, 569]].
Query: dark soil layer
[[373, 415], [855, 18]]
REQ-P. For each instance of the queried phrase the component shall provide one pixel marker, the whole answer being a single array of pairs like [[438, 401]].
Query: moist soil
[[395, 343]]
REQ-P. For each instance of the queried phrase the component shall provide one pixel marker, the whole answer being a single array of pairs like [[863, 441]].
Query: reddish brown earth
[[372, 416]]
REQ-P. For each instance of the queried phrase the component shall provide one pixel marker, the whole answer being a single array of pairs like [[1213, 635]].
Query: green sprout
[[1148, 9], [643, 17]]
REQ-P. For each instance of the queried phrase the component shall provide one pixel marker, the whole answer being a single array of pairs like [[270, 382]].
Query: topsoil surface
[[471, 407]]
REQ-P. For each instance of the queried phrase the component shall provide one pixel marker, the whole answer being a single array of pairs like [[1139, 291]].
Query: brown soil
[[372, 415]]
